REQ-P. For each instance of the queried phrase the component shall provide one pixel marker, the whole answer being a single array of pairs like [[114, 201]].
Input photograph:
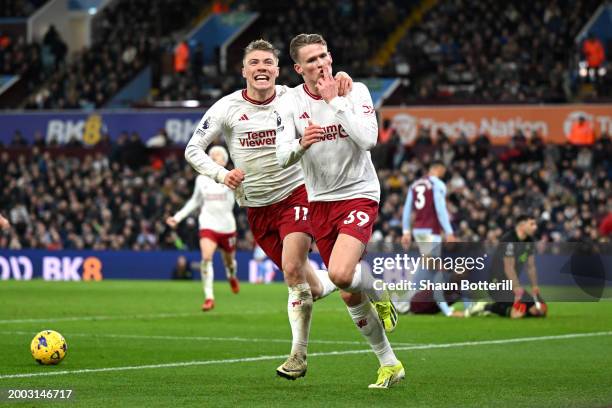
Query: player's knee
[[341, 277], [292, 269]]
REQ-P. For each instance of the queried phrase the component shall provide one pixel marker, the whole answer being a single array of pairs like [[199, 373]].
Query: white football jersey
[[249, 128], [338, 166], [216, 203]]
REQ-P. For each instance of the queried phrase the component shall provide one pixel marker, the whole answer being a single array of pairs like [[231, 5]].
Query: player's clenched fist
[[171, 221], [312, 134], [234, 178]]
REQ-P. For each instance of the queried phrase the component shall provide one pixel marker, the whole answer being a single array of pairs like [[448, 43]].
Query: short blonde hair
[[302, 40], [261, 45]]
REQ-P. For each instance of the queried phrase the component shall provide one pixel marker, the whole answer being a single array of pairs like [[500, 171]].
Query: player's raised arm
[[207, 131], [357, 116], [288, 149], [196, 201]]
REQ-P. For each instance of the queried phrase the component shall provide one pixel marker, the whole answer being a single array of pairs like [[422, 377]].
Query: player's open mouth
[[262, 78]]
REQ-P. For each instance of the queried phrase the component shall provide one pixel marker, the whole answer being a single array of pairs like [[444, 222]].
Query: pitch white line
[[138, 316], [200, 338], [321, 354], [87, 318]]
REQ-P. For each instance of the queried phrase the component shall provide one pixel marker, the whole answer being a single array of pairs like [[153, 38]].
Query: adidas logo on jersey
[[304, 116], [244, 117]]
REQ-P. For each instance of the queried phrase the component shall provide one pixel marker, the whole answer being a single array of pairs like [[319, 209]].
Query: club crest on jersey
[[278, 119], [206, 123]]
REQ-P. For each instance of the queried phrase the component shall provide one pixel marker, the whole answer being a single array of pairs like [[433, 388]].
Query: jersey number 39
[[361, 216]]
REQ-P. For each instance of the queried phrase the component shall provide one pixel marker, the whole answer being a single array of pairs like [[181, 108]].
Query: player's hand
[[171, 221], [518, 293], [457, 313], [311, 135], [518, 310], [234, 178], [451, 238], [4, 224], [326, 86], [406, 240], [344, 83]]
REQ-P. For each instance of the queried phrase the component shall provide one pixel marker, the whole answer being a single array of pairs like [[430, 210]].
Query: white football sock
[[230, 270], [208, 276], [326, 284], [369, 325], [299, 308], [363, 281]]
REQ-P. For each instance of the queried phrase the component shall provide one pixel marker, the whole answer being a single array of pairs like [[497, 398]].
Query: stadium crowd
[[352, 44], [126, 35], [462, 51], [566, 187], [117, 196], [19, 8], [472, 51]]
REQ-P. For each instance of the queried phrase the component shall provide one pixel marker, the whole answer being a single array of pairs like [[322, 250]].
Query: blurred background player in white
[[276, 201], [4, 223], [427, 200], [334, 136], [217, 226], [260, 257]]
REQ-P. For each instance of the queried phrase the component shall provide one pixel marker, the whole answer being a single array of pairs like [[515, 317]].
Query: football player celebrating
[[331, 136], [217, 226], [275, 198]]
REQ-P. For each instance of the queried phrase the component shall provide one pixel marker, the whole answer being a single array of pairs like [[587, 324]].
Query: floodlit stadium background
[[101, 96]]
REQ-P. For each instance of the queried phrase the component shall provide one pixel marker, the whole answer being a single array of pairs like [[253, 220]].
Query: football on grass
[[48, 347]]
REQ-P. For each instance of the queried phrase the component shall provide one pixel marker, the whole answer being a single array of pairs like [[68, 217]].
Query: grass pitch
[[143, 343]]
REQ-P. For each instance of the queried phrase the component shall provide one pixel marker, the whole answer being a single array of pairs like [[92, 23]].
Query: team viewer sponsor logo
[[258, 139], [332, 132]]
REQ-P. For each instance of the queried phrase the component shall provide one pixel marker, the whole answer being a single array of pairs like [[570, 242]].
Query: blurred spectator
[[581, 132], [161, 139], [181, 57], [220, 6], [18, 140], [593, 51], [182, 269], [605, 228], [56, 45]]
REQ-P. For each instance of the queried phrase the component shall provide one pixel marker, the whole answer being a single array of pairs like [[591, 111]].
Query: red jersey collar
[[313, 96], [254, 102]]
